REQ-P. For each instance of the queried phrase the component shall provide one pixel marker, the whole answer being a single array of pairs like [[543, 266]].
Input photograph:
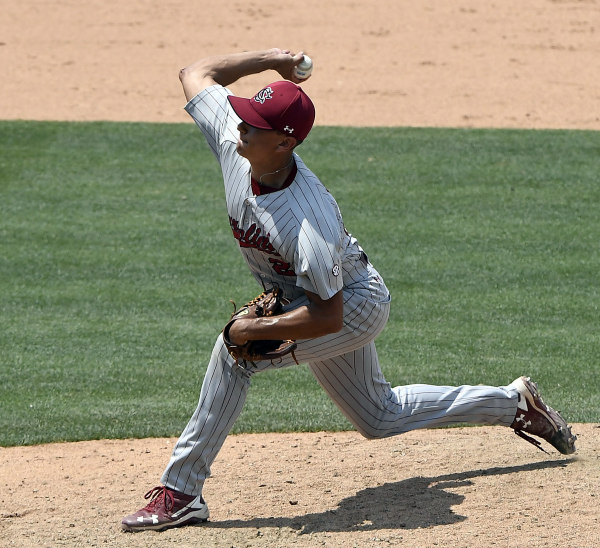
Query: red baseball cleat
[[167, 508], [538, 419]]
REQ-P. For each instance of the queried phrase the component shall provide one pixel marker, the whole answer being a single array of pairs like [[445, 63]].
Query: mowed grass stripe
[[118, 264]]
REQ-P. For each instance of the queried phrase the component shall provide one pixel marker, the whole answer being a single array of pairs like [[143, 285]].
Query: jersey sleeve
[[320, 239], [319, 261], [211, 112]]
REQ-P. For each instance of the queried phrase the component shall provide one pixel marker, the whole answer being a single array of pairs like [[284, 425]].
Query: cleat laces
[[157, 496], [530, 440]]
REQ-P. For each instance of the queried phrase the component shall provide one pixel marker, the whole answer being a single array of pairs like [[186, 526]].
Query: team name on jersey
[[252, 238]]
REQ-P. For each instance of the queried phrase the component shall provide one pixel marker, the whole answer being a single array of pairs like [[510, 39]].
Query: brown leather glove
[[269, 303]]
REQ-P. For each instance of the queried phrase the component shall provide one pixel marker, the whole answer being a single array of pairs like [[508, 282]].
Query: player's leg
[[179, 500], [222, 398], [355, 383], [225, 388]]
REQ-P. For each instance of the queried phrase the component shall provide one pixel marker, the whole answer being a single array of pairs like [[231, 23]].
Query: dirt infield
[[457, 63], [425, 63], [464, 487]]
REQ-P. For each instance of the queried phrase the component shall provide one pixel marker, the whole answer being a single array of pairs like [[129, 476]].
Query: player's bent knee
[[380, 430], [371, 433]]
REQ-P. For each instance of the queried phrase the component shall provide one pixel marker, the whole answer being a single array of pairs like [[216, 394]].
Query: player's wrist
[[235, 333], [273, 59], [281, 61]]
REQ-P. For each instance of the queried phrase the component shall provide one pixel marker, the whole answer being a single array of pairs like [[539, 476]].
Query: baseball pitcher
[[324, 303]]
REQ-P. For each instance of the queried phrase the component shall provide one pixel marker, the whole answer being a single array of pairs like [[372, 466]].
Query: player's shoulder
[[210, 95], [309, 185], [213, 114], [312, 199], [305, 177]]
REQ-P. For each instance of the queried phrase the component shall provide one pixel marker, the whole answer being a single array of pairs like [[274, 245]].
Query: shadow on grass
[[413, 503]]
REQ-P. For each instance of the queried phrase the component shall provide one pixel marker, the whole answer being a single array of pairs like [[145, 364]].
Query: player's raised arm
[[226, 69]]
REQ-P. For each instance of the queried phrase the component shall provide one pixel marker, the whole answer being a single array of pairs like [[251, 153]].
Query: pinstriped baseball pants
[[346, 365]]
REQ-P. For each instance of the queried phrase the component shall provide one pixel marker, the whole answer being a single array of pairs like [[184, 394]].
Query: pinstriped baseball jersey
[[293, 238]]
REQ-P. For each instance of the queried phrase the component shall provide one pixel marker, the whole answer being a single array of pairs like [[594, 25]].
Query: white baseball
[[303, 70]]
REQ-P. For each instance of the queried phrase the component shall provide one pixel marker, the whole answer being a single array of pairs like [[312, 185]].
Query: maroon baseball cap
[[282, 106]]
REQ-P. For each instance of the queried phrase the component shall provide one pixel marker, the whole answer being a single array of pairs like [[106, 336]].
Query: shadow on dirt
[[408, 504]]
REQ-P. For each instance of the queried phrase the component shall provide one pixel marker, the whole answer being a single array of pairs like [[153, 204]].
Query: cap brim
[[243, 108]]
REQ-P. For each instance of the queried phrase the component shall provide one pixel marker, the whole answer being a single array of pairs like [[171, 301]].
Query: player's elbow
[[195, 78], [331, 313], [188, 75], [336, 323], [183, 74], [185, 77], [331, 323], [325, 316], [337, 316]]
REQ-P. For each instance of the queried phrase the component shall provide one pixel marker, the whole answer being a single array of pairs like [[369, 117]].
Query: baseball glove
[[269, 303]]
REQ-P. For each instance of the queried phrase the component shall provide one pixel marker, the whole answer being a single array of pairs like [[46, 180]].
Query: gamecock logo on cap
[[263, 95]]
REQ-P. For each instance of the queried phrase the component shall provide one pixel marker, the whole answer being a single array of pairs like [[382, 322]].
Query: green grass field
[[117, 265]]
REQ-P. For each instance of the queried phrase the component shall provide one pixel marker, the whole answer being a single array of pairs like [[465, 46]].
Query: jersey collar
[[259, 189]]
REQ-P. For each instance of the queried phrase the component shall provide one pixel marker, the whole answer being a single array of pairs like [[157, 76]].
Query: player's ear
[[287, 142]]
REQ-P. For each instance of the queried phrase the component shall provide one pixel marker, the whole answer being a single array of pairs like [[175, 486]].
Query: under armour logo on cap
[[282, 106]]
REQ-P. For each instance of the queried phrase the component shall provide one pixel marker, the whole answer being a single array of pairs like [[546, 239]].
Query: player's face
[[257, 145]]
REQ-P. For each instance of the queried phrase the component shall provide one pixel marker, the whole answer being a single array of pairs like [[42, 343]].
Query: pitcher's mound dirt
[[479, 486]]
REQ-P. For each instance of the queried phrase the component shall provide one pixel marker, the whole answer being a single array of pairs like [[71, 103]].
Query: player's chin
[[240, 148]]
